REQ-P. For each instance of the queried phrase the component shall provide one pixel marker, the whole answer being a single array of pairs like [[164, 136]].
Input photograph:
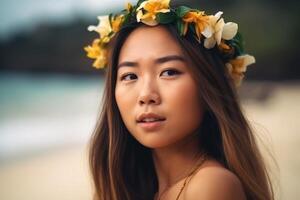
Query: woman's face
[[154, 77]]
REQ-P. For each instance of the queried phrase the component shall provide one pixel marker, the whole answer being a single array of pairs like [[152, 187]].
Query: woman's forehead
[[156, 61], [149, 42]]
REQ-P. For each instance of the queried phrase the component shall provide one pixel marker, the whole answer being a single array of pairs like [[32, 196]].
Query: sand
[[61, 175]]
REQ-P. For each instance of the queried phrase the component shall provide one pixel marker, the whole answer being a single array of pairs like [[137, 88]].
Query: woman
[[171, 126]]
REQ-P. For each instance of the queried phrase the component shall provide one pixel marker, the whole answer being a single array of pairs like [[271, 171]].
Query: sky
[[17, 15]]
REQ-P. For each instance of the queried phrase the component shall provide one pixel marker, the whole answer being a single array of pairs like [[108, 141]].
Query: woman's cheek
[[185, 101], [126, 102]]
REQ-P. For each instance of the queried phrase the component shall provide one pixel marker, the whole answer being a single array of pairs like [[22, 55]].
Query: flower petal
[[214, 18], [198, 33], [100, 62], [104, 20], [142, 5], [207, 32], [218, 15], [185, 28], [163, 10], [139, 15], [219, 29], [240, 63], [116, 23], [150, 22], [103, 28], [248, 59], [209, 42], [229, 30], [92, 28]]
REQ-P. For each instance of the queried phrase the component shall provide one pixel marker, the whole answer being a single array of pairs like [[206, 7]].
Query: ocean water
[[42, 112]]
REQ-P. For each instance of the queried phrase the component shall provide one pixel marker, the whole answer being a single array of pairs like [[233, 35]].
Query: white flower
[[103, 28], [219, 30]]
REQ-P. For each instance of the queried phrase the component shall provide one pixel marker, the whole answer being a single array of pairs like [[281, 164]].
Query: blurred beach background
[[50, 95]]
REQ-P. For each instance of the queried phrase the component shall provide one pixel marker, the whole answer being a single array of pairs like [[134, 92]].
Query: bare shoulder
[[214, 182]]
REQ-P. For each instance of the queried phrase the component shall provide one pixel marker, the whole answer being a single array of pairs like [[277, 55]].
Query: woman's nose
[[149, 94]]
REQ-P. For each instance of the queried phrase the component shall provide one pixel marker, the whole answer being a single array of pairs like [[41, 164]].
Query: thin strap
[[191, 175], [201, 161]]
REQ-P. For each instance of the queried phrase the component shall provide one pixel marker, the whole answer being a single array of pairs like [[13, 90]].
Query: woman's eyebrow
[[169, 58], [157, 61], [127, 64]]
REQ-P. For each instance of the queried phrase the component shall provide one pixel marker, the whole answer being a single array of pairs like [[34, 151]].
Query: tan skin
[[153, 76]]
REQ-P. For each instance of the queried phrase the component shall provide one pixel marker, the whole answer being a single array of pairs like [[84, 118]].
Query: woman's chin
[[154, 143]]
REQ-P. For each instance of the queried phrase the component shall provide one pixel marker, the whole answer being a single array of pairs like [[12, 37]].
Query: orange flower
[[200, 20], [116, 23]]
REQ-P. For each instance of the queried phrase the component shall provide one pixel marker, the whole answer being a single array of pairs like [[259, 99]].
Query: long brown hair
[[123, 169]]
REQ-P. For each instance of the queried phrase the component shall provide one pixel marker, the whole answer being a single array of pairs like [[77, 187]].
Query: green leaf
[[127, 18], [238, 40], [165, 18], [182, 10], [238, 50], [180, 26], [139, 2], [110, 17], [238, 44]]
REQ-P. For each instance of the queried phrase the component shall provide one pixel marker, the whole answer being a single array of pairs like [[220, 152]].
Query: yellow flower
[[220, 30], [238, 66], [201, 22], [106, 30], [151, 8], [97, 52], [116, 22]]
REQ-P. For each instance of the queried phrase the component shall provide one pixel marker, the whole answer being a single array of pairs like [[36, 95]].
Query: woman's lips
[[151, 126]]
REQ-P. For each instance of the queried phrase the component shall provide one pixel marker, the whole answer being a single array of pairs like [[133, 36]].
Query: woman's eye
[[128, 77], [171, 72]]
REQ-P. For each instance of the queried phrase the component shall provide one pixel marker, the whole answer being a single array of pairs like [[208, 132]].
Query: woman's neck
[[174, 162]]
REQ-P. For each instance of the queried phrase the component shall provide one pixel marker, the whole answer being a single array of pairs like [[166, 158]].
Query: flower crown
[[210, 30]]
